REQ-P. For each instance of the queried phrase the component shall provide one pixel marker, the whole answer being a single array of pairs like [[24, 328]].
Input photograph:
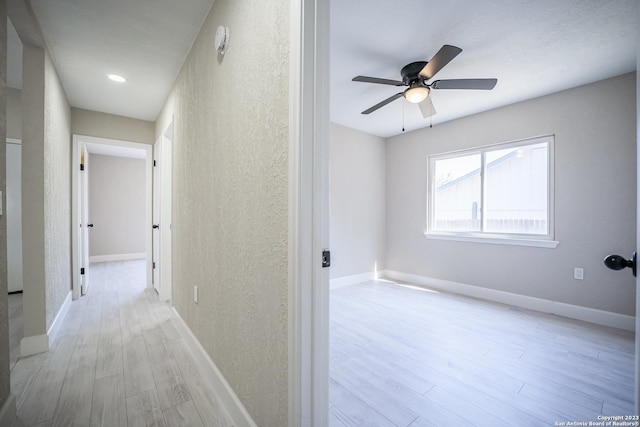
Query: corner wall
[[595, 198], [230, 200], [7, 405], [33, 208], [46, 124], [57, 201], [357, 166]]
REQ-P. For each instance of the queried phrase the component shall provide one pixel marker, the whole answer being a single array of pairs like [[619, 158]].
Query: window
[[499, 194]]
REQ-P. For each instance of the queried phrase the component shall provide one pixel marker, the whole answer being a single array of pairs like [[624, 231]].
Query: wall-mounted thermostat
[[222, 39]]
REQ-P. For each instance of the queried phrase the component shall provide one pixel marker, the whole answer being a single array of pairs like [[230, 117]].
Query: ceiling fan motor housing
[[411, 72]]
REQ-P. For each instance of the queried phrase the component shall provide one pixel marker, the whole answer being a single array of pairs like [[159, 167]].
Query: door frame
[[83, 217], [156, 248], [309, 129], [77, 140]]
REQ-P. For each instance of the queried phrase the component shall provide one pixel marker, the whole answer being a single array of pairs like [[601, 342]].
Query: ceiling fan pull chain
[[403, 116]]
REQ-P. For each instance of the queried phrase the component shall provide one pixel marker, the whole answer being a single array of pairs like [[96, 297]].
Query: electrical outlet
[[195, 294], [578, 273]]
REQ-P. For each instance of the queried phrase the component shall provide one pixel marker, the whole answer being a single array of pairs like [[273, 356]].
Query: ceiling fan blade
[[439, 60], [383, 103], [366, 79], [426, 108], [481, 84]]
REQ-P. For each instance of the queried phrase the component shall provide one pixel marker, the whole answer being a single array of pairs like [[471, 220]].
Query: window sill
[[538, 243]]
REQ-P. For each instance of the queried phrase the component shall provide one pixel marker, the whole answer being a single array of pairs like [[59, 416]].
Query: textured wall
[[57, 192], [117, 205], [357, 201], [46, 192], [33, 212], [5, 382], [595, 198], [230, 212], [103, 125]]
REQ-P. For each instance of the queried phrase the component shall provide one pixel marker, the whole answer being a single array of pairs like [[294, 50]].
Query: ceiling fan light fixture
[[117, 78], [416, 94]]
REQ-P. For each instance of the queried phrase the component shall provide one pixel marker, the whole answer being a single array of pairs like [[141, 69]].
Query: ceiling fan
[[416, 74]]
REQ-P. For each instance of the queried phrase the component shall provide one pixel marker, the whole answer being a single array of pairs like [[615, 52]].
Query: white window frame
[[535, 240]]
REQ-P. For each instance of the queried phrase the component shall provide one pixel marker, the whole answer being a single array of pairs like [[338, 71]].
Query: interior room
[[431, 325]]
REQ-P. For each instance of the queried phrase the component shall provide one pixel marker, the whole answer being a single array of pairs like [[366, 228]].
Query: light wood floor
[[405, 356], [119, 361]]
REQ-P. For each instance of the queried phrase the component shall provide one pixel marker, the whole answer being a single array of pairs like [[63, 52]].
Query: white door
[[85, 225], [14, 215], [157, 183], [162, 214], [79, 219]]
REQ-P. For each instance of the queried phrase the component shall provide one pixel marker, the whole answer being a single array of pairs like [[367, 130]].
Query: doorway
[[14, 246], [14, 215], [637, 382], [83, 147], [162, 196]]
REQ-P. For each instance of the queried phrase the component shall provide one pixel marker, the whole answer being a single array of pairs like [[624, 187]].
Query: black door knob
[[156, 225], [90, 225], [617, 262]]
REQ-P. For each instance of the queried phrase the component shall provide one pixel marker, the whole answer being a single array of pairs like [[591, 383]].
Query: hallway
[[118, 361]]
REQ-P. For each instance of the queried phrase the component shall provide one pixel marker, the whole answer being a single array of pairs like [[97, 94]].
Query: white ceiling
[[145, 41], [533, 48]]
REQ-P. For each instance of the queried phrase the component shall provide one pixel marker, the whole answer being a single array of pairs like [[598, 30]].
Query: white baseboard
[[34, 345], [117, 257], [212, 375], [57, 322], [8, 412], [341, 282], [592, 315]]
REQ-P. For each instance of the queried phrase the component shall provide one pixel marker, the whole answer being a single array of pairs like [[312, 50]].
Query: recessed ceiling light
[[117, 78]]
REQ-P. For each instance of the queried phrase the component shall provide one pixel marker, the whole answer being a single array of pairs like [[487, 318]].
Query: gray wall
[[14, 113], [230, 206], [33, 210], [103, 125], [595, 198], [116, 205], [5, 382], [357, 167]]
